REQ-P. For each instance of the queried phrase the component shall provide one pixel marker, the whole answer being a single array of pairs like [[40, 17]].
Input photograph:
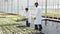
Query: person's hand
[[34, 18]]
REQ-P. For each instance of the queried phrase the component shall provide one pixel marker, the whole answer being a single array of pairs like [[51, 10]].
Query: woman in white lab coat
[[28, 16], [38, 17]]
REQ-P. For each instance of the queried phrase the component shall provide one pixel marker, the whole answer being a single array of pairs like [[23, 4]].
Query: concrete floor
[[50, 28]]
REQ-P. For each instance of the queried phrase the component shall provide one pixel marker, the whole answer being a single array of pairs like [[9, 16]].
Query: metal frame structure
[[46, 6], [46, 12], [27, 4]]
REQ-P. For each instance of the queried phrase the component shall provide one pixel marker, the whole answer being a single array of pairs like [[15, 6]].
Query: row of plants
[[16, 30]]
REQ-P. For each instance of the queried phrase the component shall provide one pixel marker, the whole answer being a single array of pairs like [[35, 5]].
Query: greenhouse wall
[[18, 6]]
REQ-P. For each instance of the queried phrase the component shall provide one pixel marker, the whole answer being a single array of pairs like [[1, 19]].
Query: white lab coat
[[38, 15], [28, 15]]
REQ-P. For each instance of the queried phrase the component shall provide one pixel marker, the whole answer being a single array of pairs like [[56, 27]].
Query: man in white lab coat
[[38, 17], [28, 16]]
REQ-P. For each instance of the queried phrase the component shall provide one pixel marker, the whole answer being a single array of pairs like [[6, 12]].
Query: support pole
[[27, 3], [57, 12], [46, 12], [11, 6], [17, 6]]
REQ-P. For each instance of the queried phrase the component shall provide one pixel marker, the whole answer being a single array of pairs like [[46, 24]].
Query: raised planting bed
[[16, 30]]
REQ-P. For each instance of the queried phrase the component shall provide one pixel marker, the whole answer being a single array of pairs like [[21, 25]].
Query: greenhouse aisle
[[50, 28]]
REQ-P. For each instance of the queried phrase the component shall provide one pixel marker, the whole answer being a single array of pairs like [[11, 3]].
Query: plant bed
[[15, 30]]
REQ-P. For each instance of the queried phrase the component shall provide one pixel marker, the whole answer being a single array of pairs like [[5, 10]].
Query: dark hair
[[26, 8]]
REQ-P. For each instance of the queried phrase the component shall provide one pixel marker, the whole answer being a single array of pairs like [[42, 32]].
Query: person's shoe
[[28, 24], [36, 27], [40, 27]]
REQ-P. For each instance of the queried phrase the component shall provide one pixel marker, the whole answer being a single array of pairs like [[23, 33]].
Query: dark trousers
[[38, 27], [27, 23]]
